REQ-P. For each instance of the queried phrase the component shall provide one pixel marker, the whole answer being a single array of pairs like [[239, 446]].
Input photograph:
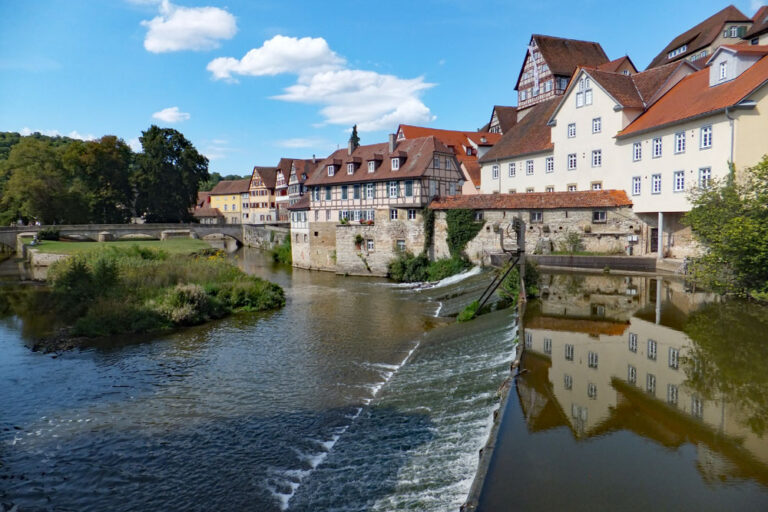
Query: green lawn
[[172, 246]]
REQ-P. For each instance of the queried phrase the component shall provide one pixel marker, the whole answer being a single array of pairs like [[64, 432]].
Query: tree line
[[58, 180]]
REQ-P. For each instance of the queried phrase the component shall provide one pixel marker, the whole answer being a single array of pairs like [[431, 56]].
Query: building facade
[[230, 198], [262, 195]]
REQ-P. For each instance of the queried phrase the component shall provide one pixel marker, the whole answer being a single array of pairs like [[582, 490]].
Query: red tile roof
[[700, 36], [535, 200], [226, 187], [563, 56], [507, 117], [301, 204], [207, 212], [304, 167], [416, 157], [531, 134], [203, 198], [456, 140], [760, 23], [268, 175], [693, 97], [746, 49], [616, 64]]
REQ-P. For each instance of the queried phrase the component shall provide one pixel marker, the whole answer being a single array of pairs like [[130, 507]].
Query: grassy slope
[[172, 246]]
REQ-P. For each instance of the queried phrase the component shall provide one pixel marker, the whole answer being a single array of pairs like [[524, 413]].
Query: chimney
[[349, 148], [391, 142], [314, 159]]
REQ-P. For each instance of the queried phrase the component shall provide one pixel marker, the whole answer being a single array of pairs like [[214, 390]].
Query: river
[[358, 395]]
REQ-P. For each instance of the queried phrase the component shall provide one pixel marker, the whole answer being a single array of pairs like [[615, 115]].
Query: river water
[[358, 395]]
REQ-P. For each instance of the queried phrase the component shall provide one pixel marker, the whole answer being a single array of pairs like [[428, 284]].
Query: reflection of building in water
[[607, 353]]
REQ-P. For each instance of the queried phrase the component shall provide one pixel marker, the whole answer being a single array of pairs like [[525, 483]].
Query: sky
[[249, 82]]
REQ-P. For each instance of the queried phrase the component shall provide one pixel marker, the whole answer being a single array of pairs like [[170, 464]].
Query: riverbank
[[135, 291]]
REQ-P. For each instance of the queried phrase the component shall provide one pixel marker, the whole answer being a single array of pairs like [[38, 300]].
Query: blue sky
[[251, 81]]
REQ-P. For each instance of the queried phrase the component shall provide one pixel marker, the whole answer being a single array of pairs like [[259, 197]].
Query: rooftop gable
[[563, 56], [760, 23], [228, 187], [530, 135], [268, 175]]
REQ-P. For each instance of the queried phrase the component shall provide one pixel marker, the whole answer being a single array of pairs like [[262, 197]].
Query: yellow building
[[230, 198]]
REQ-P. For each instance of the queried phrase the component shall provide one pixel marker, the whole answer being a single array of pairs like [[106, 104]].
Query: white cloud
[[171, 115], [301, 143], [371, 100], [74, 134], [135, 145], [187, 28], [756, 4]]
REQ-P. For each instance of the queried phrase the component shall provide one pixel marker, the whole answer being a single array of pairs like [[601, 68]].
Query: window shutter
[[742, 31]]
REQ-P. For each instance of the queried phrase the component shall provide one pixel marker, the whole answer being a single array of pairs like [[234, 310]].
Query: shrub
[[440, 269], [469, 312], [509, 290], [49, 233], [282, 253], [572, 243], [359, 239], [409, 268]]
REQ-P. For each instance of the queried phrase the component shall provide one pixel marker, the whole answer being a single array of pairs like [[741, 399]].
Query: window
[[572, 161], [650, 384], [571, 130], [597, 158], [723, 70], [411, 214], [436, 162], [706, 137], [677, 51], [697, 407], [369, 244], [548, 86], [370, 191], [598, 217], [529, 167], [734, 31], [537, 216], [400, 245], [448, 164], [562, 83], [656, 184], [568, 352], [567, 381], [528, 340], [588, 97], [356, 191], [597, 185], [572, 187], [547, 346], [636, 182], [495, 172], [705, 177], [409, 188], [395, 164], [657, 147], [597, 124], [549, 188], [225, 207], [672, 394], [631, 374], [637, 151], [592, 391], [550, 164], [344, 192], [392, 214], [394, 189], [452, 188], [579, 99], [652, 349], [680, 142], [331, 170], [432, 188], [351, 168], [679, 181], [371, 165], [592, 359], [512, 170], [327, 193], [674, 358], [478, 216]]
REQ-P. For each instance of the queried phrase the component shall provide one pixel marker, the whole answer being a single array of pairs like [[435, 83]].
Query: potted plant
[[359, 241]]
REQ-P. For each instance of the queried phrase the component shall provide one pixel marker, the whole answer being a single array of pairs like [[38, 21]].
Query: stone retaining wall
[[264, 237]]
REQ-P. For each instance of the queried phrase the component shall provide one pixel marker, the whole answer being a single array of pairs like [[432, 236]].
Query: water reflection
[[609, 355]]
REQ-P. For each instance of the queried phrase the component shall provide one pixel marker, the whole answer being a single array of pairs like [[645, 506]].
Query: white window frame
[[592, 359], [371, 165], [571, 130], [678, 181], [631, 374], [436, 162], [637, 183], [637, 151], [597, 125], [723, 71], [674, 358], [395, 162], [597, 157], [394, 189], [652, 350], [572, 161], [656, 184], [588, 97], [591, 391], [529, 167], [550, 188], [567, 381], [548, 345], [512, 170], [331, 170], [679, 143], [568, 352], [705, 137], [650, 384], [495, 172], [549, 164], [705, 177], [572, 188], [370, 191], [536, 216], [672, 394], [369, 245], [657, 147], [411, 214], [579, 99], [596, 185], [393, 214]]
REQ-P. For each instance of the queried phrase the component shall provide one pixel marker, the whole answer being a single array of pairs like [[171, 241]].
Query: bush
[[282, 253], [48, 234], [509, 290], [469, 312], [440, 269], [407, 268], [461, 228], [572, 243]]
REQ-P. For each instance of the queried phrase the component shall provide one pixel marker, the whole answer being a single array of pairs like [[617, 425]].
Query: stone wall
[[264, 237], [357, 259], [678, 238], [319, 252]]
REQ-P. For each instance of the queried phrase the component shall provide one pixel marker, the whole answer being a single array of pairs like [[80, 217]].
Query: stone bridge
[[8, 235]]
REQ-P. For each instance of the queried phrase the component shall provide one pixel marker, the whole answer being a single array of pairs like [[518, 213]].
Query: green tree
[[354, 138], [102, 171], [168, 175], [730, 219]]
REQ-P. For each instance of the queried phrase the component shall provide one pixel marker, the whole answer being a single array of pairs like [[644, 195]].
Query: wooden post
[[521, 252]]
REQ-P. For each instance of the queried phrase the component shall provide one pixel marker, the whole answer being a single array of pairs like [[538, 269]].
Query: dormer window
[[371, 166], [331, 170], [469, 150], [677, 51], [734, 31], [395, 164], [723, 70], [350, 168]]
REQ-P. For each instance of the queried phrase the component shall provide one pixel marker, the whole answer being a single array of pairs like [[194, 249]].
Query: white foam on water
[[458, 277], [439, 309]]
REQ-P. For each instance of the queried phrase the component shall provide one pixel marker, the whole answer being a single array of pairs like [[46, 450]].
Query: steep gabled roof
[[303, 167], [616, 64], [563, 56], [507, 117], [415, 158], [760, 23], [693, 97], [226, 187], [535, 200], [268, 175], [530, 135], [700, 36]]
